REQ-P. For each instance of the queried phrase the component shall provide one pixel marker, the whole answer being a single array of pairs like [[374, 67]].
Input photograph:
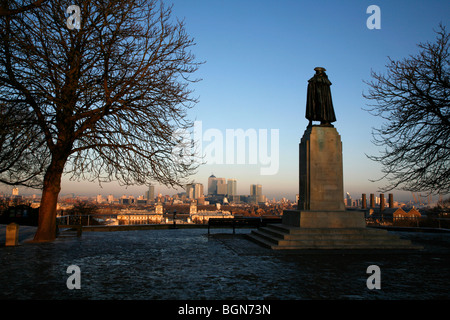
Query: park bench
[[240, 222]]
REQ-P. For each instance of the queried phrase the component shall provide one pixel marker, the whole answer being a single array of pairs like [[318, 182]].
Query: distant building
[[212, 185], [193, 208], [222, 187], [198, 191], [141, 201], [217, 186], [256, 193], [399, 213], [203, 216], [190, 191], [413, 213], [231, 187], [234, 199], [396, 213], [125, 201], [150, 193], [132, 217], [110, 198], [348, 200], [194, 191], [100, 198]]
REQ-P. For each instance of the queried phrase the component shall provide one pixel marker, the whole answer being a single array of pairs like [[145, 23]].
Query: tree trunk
[[47, 212]]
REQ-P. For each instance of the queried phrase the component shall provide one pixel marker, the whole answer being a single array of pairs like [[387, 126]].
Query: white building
[[203, 216]]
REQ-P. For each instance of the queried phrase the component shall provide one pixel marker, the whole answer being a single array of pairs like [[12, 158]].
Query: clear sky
[[259, 56]]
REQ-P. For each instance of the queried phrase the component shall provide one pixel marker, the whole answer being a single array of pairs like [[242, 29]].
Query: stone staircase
[[281, 236]]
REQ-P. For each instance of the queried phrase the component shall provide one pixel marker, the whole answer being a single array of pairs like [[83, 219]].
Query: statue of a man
[[319, 106]]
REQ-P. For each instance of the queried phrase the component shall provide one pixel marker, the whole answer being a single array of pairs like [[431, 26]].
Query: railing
[[106, 219], [418, 222], [84, 220], [131, 219], [112, 219]]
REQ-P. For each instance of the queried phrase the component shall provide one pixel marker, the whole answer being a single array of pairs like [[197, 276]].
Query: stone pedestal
[[322, 221], [321, 175], [321, 188]]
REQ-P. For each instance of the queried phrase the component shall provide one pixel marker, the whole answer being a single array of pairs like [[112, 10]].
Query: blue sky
[[259, 56]]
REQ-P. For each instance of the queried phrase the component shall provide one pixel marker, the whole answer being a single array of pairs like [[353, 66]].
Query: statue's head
[[320, 70]]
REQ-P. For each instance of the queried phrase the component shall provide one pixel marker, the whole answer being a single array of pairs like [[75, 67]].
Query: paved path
[[185, 264]]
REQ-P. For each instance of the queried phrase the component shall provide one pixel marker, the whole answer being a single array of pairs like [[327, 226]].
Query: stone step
[[261, 241], [68, 233], [322, 234], [267, 237], [337, 239], [285, 237], [302, 245], [296, 230]]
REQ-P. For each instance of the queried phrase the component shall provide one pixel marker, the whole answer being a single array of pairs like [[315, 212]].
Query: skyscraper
[[194, 190], [255, 190], [212, 185], [231, 187], [217, 186], [221, 186], [349, 199], [150, 194], [256, 193], [198, 190], [190, 191]]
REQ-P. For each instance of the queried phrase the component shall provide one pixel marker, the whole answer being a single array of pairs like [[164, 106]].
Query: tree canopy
[[102, 102]]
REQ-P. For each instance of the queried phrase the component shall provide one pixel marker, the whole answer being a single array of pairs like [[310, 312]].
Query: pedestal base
[[324, 219], [326, 230]]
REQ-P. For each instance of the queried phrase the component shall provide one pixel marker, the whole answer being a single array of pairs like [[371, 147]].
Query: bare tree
[[441, 209], [413, 98], [107, 98], [8, 7]]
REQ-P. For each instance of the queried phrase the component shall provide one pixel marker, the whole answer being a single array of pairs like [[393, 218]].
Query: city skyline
[[199, 189], [259, 57]]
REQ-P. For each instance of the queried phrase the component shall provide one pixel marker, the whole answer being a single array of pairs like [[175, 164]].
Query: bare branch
[[6, 10], [413, 98]]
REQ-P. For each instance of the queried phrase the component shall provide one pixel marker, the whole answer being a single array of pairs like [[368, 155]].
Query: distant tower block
[[372, 200], [391, 200], [364, 201], [382, 202]]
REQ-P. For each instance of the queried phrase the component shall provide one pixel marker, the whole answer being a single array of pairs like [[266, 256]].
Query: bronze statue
[[319, 106]]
